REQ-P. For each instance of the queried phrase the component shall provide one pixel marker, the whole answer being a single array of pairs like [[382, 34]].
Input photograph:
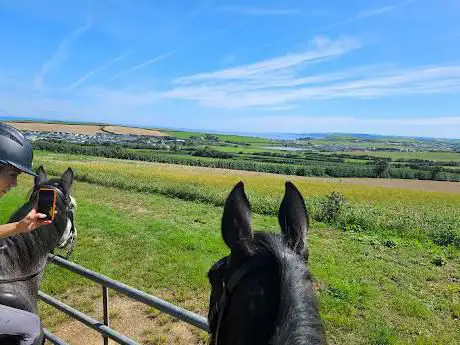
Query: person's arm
[[29, 223], [8, 229]]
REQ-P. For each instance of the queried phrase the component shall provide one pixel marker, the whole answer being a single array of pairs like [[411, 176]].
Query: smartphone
[[47, 202]]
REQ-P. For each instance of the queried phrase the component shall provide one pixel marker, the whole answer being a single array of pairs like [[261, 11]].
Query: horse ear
[[68, 178], [293, 219], [236, 219], [41, 177]]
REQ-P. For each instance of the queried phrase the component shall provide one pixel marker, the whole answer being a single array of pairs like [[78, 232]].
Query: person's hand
[[32, 221]]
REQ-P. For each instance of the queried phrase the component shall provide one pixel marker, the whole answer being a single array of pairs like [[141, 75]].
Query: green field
[[431, 156], [381, 278], [394, 211], [238, 149], [223, 137]]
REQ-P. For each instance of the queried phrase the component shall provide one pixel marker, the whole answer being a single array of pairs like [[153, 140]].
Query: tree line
[[380, 168]]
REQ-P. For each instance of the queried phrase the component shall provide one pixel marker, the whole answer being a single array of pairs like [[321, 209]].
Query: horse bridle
[[65, 243], [229, 286]]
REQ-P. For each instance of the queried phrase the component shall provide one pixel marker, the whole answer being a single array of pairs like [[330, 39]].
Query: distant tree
[[211, 137], [435, 172], [382, 168]]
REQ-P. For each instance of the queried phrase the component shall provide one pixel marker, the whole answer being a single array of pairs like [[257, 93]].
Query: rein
[[228, 288], [69, 242], [19, 279]]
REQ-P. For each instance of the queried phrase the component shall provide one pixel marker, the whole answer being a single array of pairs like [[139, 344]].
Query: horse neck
[[31, 248], [251, 310]]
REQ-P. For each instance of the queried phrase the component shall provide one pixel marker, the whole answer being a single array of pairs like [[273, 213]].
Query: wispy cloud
[[286, 82], [258, 11], [366, 14], [101, 104], [291, 90], [143, 64], [190, 16], [60, 54], [199, 10], [89, 74], [321, 48]]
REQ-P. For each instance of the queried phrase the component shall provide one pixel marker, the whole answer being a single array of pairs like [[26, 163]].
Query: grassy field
[[245, 149], [223, 137], [156, 227], [395, 211]]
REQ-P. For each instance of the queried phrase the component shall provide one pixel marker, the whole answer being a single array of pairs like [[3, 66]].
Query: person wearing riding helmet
[[15, 158]]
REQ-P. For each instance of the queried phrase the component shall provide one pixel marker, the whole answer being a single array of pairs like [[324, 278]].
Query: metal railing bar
[[54, 339], [88, 321], [166, 307]]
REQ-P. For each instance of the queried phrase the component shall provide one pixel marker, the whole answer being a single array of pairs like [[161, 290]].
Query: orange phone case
[[54, 200]]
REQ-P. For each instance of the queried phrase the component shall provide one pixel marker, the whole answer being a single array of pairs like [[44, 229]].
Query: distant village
[[101, 138], [306, 144]]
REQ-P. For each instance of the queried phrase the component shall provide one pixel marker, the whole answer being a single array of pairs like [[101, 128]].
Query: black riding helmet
[[15, 149]]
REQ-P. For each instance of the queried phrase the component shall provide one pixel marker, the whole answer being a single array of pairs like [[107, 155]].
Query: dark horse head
[[262, 292], [23, 257]]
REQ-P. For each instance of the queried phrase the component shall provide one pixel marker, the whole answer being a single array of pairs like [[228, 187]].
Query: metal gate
[[106, 283]]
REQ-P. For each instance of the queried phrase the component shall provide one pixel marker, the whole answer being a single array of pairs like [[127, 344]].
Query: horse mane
[[298, 321]]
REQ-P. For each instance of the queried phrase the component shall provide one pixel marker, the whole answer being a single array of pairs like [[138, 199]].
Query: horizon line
[[216, 131]]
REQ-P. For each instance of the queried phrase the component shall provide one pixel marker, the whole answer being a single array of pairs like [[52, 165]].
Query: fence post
[[105, 300]]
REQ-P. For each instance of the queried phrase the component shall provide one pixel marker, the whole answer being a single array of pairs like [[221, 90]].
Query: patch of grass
[[381, 335]]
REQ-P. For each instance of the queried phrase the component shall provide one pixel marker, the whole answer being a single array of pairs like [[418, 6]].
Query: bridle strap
[[70, 216], [231, 285], [242, 272]]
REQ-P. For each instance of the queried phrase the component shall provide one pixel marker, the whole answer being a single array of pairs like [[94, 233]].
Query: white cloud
[[381, 10], [89, 74], [134, 105], [143, 64], [286, 81], [366, 14], [258, 11], [60, 54], [322, 48]]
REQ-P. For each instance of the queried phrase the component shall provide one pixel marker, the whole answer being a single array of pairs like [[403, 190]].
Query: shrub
[[331, 207]]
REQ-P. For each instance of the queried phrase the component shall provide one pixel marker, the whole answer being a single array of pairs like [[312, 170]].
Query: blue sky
[[377, 66]]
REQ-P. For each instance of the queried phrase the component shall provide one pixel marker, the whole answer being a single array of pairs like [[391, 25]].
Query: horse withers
[[262, 292], [23, 257]]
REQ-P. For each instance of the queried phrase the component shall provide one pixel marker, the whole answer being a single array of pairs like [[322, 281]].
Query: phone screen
[[47, 202]]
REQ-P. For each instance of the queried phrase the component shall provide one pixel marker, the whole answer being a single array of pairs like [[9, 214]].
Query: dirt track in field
[[430, 186], [83, 129]]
